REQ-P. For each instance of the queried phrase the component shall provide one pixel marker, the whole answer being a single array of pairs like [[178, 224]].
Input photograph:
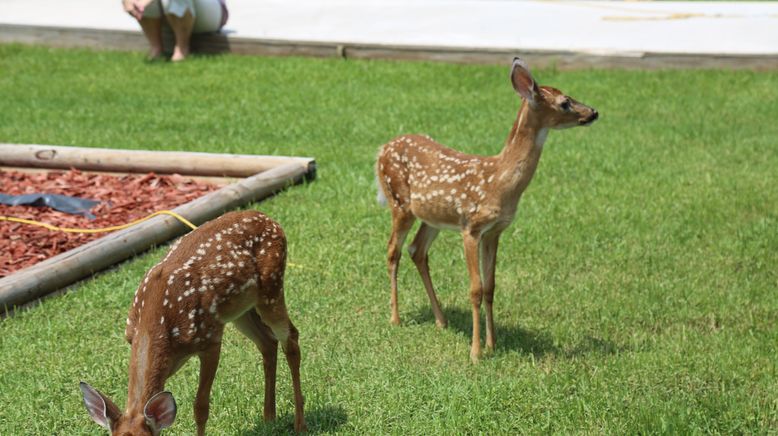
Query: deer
[[478, 196], [230, 269]]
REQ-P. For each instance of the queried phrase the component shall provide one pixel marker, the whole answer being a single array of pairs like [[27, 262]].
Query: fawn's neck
[[148, 371], [519, 159]]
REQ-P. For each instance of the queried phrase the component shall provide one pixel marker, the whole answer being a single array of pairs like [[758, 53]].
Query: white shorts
[[209, 15]]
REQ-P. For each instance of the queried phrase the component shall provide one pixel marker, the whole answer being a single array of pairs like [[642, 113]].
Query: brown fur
[[229, 269], [476, 195]]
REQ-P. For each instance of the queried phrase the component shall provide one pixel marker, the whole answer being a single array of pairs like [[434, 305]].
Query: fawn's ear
[[523, 82], [102, 410], [160, 410]]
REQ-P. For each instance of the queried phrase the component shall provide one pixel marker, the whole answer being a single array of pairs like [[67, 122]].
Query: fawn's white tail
[[380, 197]]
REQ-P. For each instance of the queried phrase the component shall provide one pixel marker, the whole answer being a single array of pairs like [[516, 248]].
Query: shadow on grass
[[517, 338], [321, 420]]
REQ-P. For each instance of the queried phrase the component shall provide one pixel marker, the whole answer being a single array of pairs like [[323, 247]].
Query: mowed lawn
[[636, 290]]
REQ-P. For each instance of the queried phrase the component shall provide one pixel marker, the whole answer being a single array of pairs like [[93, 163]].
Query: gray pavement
[[594, 27]]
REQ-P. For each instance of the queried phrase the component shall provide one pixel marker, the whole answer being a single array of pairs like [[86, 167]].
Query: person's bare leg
[[152, 28], [182, 29]]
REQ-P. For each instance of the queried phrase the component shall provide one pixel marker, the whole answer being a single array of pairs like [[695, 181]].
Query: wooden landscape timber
[[271, 175], [221, 43], [140, 161]]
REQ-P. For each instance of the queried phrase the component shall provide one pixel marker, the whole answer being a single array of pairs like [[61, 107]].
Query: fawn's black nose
[[590, 119]]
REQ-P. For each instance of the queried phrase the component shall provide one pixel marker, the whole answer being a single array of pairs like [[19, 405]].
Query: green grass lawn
[[636, 291]]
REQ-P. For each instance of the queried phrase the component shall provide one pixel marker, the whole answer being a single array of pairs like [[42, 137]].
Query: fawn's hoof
[[441, 323], [475, 355], [395, 320]]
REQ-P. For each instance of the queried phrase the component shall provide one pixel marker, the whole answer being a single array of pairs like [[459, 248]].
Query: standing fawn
[[476, 195], [229, 269]]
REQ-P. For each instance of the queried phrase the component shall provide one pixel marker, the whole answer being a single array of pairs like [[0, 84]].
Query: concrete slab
[[602, 28]]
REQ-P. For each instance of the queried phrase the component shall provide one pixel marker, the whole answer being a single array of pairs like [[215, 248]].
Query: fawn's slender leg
[[285, 332], [471, 241], [488, 262], [269, 350], [209, 361], [252, 326], [419, 250], [292, 352], [401, 225]]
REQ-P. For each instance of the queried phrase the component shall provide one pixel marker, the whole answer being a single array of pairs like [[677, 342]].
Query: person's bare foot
[[155, 53], [179, 54], [182, 29]]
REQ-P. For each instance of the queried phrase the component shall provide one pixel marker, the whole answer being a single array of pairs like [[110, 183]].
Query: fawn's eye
[[565, 105]]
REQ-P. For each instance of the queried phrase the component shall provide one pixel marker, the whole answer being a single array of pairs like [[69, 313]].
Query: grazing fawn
[[229, 269], [477, 195]]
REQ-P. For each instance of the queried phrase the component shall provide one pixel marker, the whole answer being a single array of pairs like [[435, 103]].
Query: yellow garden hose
[[111, 228], [100, 230]]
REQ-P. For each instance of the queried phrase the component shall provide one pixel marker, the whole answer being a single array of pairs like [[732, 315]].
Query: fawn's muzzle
[[592, 118]]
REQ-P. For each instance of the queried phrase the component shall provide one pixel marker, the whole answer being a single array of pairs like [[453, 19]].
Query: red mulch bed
[[123, 199]]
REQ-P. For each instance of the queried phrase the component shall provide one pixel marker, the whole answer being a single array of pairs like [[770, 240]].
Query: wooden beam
[[69, 37], [137, 161], [64, 269], [220, 43]]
